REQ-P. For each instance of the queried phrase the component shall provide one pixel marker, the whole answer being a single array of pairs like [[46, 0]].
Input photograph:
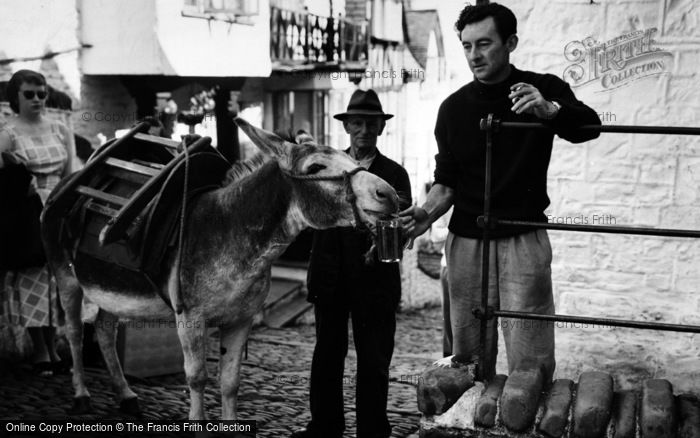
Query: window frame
[[249, 8]]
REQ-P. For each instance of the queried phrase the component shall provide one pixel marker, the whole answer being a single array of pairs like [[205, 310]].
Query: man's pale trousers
[[520, 279]]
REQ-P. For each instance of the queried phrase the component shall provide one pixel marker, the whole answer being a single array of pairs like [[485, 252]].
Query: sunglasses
[[29, 94]]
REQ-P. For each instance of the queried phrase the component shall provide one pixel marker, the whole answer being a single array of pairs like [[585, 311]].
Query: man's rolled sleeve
[[573, 114], [446, 172], [446, 169]]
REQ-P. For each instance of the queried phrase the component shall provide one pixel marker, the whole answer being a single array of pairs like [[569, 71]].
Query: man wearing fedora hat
[[345, 281]]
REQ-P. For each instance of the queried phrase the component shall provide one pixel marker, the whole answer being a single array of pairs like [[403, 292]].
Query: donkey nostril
[[381, 195]]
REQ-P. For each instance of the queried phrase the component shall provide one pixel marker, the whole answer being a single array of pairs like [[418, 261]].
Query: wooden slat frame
[[102, 196]]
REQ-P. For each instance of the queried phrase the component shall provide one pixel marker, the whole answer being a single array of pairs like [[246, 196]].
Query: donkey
[[221, 274]]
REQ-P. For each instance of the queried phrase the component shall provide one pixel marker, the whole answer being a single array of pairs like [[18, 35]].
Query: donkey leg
[[71, 296], [106, 330], [192, 331], [232, 344]]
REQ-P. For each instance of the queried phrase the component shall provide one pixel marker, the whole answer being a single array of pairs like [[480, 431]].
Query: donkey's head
[[331, 190]]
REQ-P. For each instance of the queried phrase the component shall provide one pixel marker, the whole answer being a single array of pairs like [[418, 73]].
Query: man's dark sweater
[[520, 157]]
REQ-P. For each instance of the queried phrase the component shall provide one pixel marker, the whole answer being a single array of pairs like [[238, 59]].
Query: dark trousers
[[373, 325]]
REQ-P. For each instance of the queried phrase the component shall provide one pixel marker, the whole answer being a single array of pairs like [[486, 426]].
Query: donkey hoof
[[130, 406], [81, 405]]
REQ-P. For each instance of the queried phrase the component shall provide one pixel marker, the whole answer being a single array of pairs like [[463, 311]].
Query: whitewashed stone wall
[[625, 179]]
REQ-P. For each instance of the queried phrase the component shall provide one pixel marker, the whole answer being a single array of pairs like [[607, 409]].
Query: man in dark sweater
[[520, 259], [343, 284]]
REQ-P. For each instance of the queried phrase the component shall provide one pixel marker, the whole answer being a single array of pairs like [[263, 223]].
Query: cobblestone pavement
[[274, 382]]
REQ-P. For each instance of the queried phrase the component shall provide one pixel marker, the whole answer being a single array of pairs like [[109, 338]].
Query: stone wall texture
[[625, 179], [105, 107]]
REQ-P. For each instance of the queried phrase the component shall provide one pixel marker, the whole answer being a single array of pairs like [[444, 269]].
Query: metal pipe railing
[[488, 223], [628, 129], [599, 321], [486, 252], [606, 229]]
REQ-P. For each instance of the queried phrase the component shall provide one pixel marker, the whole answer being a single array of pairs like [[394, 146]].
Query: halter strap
[[345, 176]]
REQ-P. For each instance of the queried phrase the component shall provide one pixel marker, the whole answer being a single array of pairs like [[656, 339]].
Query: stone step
[[487, 407], [283, 314], [625, 414], [440, 387], [593, 410], [281, 288], [556, 415], [688, 416], [593, 405], [657, 410], [520, 398]]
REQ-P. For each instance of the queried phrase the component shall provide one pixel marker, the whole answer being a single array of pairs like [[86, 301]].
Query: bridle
[[349, 193]]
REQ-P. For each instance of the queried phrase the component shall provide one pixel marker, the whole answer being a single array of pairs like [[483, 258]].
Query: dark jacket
[[337, 268]]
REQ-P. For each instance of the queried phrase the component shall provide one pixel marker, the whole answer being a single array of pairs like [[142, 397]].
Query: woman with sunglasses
[[46, 147]]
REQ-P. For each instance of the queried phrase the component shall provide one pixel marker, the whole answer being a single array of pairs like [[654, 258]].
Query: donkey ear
[[267, 142], [303, 137]]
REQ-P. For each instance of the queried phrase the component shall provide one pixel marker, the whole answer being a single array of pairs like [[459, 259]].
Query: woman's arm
[[5, 145], [70, 148]]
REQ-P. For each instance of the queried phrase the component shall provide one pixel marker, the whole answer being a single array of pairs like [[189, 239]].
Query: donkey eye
[[314, 168]]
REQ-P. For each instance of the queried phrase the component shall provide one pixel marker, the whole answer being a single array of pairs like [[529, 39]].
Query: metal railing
[[301, 38], [488, 222]]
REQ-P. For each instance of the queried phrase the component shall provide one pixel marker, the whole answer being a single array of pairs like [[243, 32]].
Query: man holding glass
[[347, 281]]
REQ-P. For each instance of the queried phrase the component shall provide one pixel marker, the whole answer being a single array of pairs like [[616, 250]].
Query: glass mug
[[389, 248]]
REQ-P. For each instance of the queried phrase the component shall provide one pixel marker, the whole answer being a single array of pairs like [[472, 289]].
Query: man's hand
[[528, 100], [415, 221]]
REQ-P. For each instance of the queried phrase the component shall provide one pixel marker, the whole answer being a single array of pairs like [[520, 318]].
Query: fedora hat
[[364, 103]]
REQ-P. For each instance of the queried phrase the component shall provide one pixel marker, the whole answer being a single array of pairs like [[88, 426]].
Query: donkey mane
[[241, 169]]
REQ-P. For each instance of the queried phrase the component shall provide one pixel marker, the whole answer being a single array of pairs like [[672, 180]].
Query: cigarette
[[515, 99]]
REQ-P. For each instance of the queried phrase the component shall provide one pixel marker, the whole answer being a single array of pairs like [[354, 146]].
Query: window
[[387, 20], [234, 7], [301, 110]]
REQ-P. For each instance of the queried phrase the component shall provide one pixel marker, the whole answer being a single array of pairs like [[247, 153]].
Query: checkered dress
[[30, 293]]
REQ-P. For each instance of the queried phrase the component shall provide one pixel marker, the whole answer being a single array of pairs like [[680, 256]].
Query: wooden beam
[[102, 196], [160, 140], [132, 167]]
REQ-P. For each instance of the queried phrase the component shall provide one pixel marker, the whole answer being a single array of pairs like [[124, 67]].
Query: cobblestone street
[[274, 382]]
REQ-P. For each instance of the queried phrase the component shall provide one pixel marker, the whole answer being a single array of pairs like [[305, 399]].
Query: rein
[[345, 177]]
